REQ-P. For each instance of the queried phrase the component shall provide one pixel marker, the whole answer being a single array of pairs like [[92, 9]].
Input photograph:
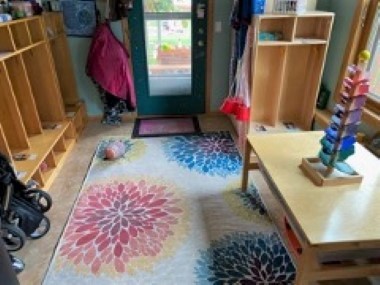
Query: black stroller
[[21, 209]]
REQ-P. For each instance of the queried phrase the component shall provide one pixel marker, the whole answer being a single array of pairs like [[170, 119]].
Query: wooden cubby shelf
[[286, 73], [33, 83], [20, 35]]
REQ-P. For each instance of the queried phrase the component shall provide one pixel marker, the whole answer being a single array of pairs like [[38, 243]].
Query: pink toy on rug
[[115, 150]]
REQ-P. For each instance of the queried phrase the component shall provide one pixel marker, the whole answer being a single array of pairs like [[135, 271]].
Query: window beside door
[[168, 32]]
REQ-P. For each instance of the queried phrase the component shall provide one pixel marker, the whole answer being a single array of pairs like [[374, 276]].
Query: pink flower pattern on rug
[[115, 223]]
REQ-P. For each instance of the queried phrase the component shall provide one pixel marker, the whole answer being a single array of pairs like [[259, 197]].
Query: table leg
[[246, 163], [305, 266]]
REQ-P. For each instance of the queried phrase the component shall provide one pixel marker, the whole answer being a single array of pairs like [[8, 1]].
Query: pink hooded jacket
[[108, 65]]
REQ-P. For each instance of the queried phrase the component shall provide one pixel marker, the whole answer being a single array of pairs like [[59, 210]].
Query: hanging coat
[[108, 65]]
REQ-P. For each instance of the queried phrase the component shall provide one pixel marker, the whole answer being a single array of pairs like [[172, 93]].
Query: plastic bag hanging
[[243, 87], [230, 103]]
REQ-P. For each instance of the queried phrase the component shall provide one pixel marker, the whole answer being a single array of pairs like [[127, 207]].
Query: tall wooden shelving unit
[[286, 73], [38, 115], [74, 108]]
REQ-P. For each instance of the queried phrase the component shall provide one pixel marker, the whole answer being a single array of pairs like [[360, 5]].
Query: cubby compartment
[[77, 115], [298, 100], [48, 166], [38, 177], [35, 30], [43, 80], [41, 150], [267, 83], [23, 93], [70, 135], [66, 78], [10, 116], [60, 149], [317, 28], [283, 26], [6, 42], [20, 35]]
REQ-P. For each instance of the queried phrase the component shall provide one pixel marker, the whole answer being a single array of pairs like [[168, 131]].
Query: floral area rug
[[169, 212]]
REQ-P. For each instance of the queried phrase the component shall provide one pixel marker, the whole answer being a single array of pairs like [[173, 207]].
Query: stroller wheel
[[13, 237], [17, 264], [42, 229], [40, 198]]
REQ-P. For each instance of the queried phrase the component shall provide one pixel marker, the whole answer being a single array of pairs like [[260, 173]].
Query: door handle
[[201, 10]]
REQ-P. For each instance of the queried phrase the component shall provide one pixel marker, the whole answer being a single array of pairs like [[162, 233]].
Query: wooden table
[[340, 221]]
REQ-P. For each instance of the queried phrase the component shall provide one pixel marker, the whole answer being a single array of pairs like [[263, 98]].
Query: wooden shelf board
[[292, 15], [6, 55], [41, 145], [296, 42], [315, 14], [19, 21], [275, 16], [279, 127], [301, 41], [274, 43]]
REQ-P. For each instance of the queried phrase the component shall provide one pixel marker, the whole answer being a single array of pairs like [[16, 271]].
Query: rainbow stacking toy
[[338, 143]]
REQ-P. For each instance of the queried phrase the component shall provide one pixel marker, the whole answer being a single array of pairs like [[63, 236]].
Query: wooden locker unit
[[286, 72], [33, 115]]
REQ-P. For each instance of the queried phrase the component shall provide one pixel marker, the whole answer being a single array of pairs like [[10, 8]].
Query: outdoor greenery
[[159, 6], [168, 40]]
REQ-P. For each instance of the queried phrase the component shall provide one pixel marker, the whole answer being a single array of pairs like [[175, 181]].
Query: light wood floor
[[37, 253]]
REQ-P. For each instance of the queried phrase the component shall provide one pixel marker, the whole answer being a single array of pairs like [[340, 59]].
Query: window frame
[[373, 9], [360, 33]]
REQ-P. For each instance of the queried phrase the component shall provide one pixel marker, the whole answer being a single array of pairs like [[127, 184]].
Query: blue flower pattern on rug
[[104, 143], [213, 154], [245, 258]]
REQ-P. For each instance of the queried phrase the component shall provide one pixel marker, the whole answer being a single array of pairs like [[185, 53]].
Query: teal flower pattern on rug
[[245, 258], [213, 154]]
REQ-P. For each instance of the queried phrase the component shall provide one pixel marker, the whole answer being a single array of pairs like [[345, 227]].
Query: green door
[[168, 42]]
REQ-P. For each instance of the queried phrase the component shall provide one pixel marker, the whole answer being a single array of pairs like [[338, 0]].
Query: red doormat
[[168, 126]]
